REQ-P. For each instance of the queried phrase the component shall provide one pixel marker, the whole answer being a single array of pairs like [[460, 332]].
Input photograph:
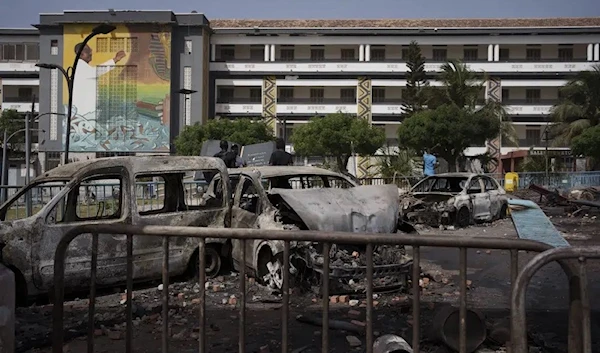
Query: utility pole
[[28, 119], [546, 154], [4, 167]]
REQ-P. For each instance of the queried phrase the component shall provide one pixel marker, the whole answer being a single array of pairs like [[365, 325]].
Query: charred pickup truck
[[117, 190], [454, 198]]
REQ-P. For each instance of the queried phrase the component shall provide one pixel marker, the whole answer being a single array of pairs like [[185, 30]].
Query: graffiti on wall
[[121, 95]]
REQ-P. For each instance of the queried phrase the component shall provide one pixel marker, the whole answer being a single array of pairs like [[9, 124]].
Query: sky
[[23, 13]]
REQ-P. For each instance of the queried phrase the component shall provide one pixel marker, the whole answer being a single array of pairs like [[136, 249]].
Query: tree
[[337, 135], [579, 106], [11, 121], [395, 162], [448, 130], [242, 131], [588, 144], [416, 80], [456, 117]]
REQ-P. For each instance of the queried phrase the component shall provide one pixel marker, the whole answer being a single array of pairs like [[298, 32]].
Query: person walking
[[280, 156], [227, 156], [429, 163]]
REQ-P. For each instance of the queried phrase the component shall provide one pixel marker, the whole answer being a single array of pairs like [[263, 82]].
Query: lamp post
[[5, 159], [69, 75]]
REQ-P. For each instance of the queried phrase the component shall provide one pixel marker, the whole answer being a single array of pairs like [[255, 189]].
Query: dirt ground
[[489, 286]]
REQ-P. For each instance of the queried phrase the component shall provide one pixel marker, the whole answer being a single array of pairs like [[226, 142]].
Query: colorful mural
[[121, 99]]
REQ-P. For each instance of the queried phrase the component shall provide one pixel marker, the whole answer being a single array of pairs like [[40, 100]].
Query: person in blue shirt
[[429, 163]]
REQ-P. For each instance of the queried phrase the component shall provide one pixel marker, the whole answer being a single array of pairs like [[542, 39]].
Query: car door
[[491, 188], [480, 200], [167, 204], [80, 204]]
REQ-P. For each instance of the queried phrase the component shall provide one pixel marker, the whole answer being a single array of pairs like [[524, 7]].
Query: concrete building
[[287, 71], [19, 87]]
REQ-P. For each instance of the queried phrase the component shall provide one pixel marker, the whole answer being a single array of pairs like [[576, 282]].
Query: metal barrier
[[327, 238], [580, 335]]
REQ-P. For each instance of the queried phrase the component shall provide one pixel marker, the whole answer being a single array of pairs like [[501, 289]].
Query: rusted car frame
[[454, 198], [308, 198], [27, 245]]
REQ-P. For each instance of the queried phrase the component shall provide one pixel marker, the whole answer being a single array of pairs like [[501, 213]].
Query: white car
[[454, 198]]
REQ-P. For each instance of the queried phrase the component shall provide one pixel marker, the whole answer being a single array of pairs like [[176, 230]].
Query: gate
[[580, 306], [287, 236]]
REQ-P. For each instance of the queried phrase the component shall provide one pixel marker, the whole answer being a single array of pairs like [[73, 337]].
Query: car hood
[[433, 196], [371, 209]]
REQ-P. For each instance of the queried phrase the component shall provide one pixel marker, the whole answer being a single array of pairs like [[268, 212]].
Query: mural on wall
[[121, 95]]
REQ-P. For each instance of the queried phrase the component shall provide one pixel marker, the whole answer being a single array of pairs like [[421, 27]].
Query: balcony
[[18, 66], [20, 104], [387, 106], [315, 106], [238, 105], [529, 107], [396, 66]]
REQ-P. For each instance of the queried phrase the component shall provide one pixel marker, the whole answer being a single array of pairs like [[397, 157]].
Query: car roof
[[136, 165], [276, 171], [456, 175]]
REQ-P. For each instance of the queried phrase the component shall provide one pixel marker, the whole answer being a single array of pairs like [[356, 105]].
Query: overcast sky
[[22, 13]]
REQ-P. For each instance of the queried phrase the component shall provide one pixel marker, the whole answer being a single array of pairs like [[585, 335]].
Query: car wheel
[[213, 263], [463, 217], [503, 211]]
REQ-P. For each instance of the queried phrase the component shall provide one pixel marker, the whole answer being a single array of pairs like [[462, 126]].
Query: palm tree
[[578, 108], [463, 87]]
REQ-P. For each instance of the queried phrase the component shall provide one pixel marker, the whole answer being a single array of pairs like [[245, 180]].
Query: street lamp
[[69, 75]]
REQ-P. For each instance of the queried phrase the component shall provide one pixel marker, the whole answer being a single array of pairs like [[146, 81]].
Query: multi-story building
[[287, 71], [19, 86]]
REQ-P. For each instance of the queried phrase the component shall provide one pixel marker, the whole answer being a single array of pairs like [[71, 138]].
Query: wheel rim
[[212, 263]]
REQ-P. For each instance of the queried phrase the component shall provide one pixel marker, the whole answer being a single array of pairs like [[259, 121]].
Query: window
[[7, 52], [532, 95], [20, 52], [377, 54], [225, 95], [150, 193], [378, 95], [25, 93], [532, 137], [286, 95], [565, 54], [54, 47], [348, 54], [440, 54], [249, 198], [255, 95], [257, 53], [52, 160], [533, 54], [474, 186], [313, 182], [115, 44], [317, 54], [404, 54], [41, 194], [504, 54], [33, 52], [335, 182], [348, 95], [287, 54], [227, 53], [470, 54], [505, 94], [188, 47], [316, 95], [490, 184]]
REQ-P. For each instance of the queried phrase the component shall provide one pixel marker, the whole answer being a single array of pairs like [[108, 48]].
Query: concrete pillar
[[267, 52], [272, 52], [361, 53], [597, 52], [213, 52], [496, 52], [368, 52], [7, 310], [491, 52], [590, 52]]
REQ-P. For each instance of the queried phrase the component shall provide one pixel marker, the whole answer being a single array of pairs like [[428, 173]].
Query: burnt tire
[[503, 212], [463, 217], [213, 262]]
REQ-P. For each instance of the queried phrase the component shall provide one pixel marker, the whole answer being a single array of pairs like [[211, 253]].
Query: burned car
[[454, 198], [309, 198], [106, 191]]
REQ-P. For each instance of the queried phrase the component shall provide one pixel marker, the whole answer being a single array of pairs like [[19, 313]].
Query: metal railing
[[580, 339], [287, 236]]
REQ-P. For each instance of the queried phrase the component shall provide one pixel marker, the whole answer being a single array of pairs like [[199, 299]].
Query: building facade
[[284, 71]]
